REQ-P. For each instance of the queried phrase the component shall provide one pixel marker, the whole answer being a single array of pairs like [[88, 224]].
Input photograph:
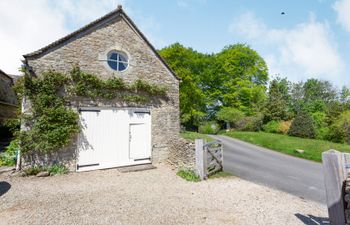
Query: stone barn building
[[113, 133]]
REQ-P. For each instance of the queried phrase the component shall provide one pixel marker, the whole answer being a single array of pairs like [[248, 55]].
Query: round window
[[117, 60]]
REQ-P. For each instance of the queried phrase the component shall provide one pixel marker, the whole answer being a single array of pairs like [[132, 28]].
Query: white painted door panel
[[90, 144], [105, 138], [140, 148]]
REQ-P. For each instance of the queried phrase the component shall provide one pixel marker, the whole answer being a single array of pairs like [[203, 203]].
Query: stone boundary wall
[[182, 153]]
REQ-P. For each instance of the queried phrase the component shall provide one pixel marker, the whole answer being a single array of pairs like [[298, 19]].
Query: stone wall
[[8, 99], [7, 111], [89, 51], [7, 94], [182, 154]]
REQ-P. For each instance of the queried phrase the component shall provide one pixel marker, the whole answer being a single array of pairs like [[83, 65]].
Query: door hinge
[[87, 165], [89, 110], [149, 158]]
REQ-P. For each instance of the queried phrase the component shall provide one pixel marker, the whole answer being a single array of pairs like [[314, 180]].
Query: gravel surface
[[155, 196]]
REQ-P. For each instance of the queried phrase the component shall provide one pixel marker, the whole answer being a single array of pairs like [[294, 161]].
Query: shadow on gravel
[[4, 187], [312, 220]]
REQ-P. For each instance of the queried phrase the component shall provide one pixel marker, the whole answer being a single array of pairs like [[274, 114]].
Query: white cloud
[[26, 26], [342, 7], [303, 51]]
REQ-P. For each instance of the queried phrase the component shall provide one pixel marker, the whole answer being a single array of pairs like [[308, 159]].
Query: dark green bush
[[210, 127], [8, 158], [250, 123], [302, 126]]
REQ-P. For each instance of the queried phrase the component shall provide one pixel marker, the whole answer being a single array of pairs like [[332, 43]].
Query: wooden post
[[200, 165], [334, 177]]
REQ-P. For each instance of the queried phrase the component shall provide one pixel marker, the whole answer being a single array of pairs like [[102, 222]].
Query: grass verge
[[194, 135], [188, 175], [282, 143]]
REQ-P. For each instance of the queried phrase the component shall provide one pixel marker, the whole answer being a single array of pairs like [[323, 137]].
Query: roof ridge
[[68, 36], [119, 11]]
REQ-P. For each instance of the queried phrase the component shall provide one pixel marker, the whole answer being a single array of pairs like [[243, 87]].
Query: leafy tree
[[320, 124], [244, 74], [278, 101], [302, 126], [230, 116], [186, 64], [234, 77], [345, 95]]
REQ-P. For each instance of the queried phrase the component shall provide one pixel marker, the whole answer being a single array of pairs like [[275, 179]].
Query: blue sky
[[310, 40]]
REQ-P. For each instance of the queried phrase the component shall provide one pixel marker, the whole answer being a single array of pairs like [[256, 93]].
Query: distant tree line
[[231, 90]]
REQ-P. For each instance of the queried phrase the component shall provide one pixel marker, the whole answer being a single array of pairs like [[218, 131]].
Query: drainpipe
[[19, 161]]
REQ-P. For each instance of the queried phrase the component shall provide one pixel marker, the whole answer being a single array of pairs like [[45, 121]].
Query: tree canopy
[[232, 87]]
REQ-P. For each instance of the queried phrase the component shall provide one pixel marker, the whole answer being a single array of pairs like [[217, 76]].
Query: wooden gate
[[209, 158]]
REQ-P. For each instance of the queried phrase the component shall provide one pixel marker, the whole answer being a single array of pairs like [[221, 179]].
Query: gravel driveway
[[155, 196]]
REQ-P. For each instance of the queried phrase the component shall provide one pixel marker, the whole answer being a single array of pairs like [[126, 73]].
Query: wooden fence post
[[200, 164], [334, 176]]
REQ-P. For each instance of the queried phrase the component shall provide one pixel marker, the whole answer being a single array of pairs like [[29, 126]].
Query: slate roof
[[117, 12], [6, 75]]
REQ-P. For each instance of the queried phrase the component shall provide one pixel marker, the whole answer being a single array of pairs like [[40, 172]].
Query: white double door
[[114, 137]]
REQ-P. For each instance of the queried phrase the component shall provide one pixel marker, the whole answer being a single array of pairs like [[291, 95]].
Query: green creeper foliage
[[302, 126], [89, 85], [51, 123]]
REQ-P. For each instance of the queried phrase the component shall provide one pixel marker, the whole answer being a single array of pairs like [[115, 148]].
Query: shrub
[[210, 127], [57, 169], [278, 127], [34, 170], [271, 127], [188, 175], [319, 119], [302, 126], [53, 170], [250, 123], [8, 158], [230, 115], [340, 130], [284, 126]]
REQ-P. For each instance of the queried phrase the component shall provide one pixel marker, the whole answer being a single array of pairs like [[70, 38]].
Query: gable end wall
[[89, 50]]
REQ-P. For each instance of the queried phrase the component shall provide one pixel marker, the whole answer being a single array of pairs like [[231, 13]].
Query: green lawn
[[193, 135], [286, 144]]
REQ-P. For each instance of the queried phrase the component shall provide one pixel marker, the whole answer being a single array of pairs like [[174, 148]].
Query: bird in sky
[[283, 13]]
